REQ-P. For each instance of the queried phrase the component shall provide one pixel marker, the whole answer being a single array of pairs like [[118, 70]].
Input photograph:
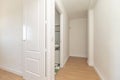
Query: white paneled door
[[34, 39]]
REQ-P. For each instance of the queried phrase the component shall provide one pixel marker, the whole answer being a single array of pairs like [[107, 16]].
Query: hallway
[[77, 69]]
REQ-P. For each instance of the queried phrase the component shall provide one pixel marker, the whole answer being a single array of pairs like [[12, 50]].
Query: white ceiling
[[76, 8]]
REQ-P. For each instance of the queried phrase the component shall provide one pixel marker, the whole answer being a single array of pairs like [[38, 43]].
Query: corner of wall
[[65, 61], [99, 73], [90, 64]]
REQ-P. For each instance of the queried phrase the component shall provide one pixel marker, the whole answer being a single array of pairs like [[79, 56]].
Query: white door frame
[[61, 33], [50, 15], [50, 20]]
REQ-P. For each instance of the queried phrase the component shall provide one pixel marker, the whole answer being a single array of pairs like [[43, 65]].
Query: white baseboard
[[82, 56], [65, 61], [11, 70], [99, 73], [90, 64]]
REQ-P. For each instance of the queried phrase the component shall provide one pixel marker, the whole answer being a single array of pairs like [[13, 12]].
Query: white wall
[[116, 39], [64, 32], [107, 39], [91, 37], [11, 35], [57, 17], [78, 37]]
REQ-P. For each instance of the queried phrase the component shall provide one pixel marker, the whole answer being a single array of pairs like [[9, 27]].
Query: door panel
[[32, 65], [34, 45], [32, 54]]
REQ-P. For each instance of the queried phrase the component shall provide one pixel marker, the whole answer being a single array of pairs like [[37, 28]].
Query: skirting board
[[11, 70], [90, 64], [78, 56], [99, 73], [65, 61], [82, 56]]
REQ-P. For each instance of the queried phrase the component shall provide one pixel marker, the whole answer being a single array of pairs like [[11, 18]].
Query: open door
[[34, 39]]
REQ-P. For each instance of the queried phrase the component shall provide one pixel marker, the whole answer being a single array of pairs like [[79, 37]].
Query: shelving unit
[[57, 28]]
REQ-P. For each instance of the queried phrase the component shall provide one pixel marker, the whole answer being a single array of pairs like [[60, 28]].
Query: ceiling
[[76, 8]]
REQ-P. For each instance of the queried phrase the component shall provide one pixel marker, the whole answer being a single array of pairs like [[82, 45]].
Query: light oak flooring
[[77, 69], [4, 75]]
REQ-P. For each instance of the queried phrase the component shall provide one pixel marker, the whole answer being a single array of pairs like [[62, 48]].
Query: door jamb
[[61, 33]]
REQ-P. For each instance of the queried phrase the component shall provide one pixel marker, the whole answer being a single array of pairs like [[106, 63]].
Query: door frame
[[57, 7], [50, 20], [50, 16]]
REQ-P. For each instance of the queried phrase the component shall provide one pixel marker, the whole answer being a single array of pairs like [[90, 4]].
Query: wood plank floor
[[4, 75], [77, 69]]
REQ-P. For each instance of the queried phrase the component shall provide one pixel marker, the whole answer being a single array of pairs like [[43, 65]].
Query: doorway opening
[[57, 41], [59, 63], [75, 28]]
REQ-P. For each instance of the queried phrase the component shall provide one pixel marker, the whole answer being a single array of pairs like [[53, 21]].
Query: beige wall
[[11, 35], [78, 37]]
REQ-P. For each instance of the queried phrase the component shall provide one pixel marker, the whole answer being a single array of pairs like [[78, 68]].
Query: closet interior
[[57, 41]]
